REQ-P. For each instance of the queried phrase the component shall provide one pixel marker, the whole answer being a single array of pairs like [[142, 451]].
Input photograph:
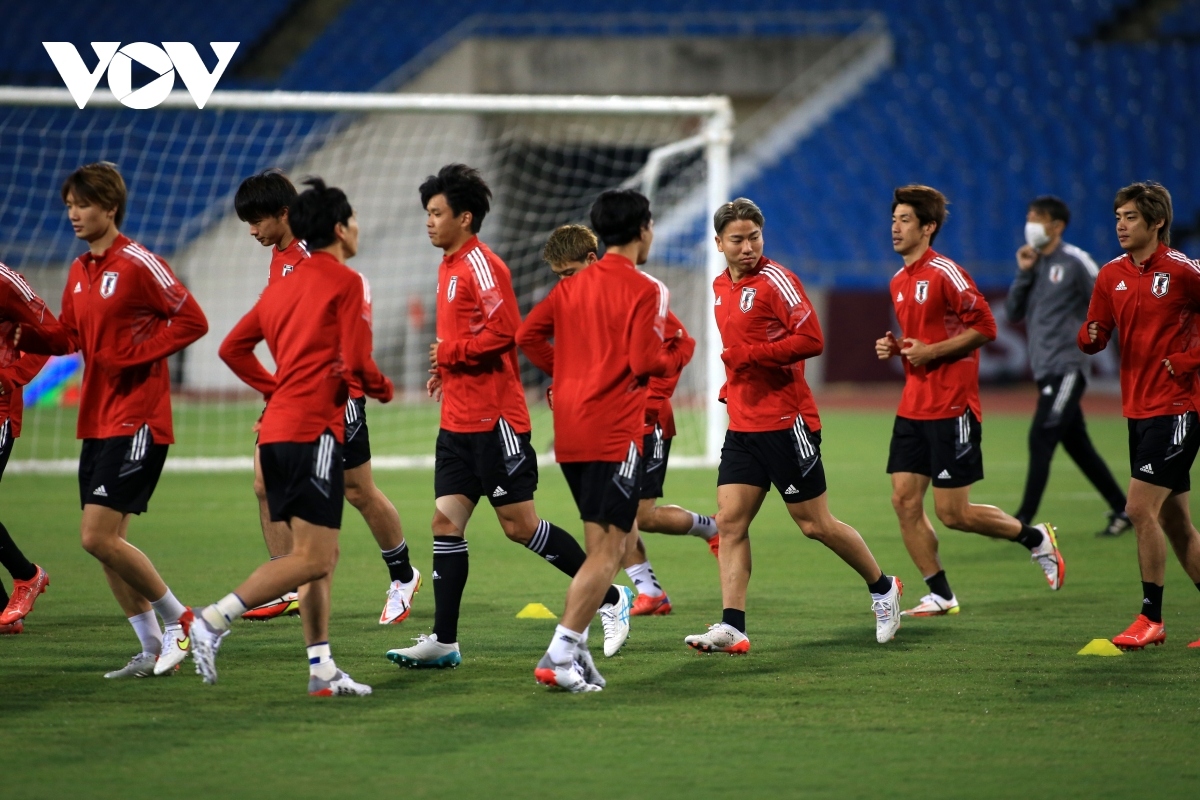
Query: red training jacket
[[1153, 307], [935, 300], [41, 336], [660, 390], [126, 312]]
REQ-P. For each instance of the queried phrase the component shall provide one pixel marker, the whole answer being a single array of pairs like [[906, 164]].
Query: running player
[[944, 320], [127, 313], [483, 445], [263, 201], [569, 249], [768, 328], [317, 326], [1151, 296], [607, 324], [29, 333]]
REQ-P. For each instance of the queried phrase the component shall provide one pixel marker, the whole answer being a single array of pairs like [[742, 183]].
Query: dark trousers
[[1060, 419]]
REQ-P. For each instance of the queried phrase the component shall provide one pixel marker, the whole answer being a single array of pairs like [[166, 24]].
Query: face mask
[[1035, 235]]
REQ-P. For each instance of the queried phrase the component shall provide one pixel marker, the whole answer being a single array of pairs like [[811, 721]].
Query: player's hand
[[1093, 331], [1026, 258], [887, 347], [1167, 363], [737, 357], [434, 388], [550, 397], [16, 336], [917, 352], [433, 348]]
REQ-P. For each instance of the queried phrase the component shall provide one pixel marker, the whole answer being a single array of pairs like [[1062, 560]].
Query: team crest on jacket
[[108, 284], [748, 299], [1056, 273], [287, 269], [452, 289], [1162, 282], [922, 291]]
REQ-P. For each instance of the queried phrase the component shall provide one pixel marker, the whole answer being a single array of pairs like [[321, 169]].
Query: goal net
[[545, 158]]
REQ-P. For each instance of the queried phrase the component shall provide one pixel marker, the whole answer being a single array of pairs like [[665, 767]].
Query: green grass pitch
[[991, 703]]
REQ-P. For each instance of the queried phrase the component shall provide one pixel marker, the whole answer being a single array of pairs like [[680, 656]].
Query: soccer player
[[607, 324], [569, 249], [1051, 293], [1151, 296], [768, 328], [263, 201], [937, 435], [317, 325], [483, 444], [29, 333], [127, 313]]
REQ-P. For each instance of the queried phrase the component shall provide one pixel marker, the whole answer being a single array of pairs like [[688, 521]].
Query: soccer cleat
[[1141, 633], [587, 667], [1194, 644], [140, 666], [24, 594], [176, 644], [399, 600], [563, 676], [1047, 557], [427, 653], [932, 605], [647, 606], [714, 546], [719, 638], [341, 685], [615, 619], [287, 605], [887, 612], [206, 641], [12, 628], [1117, 524]]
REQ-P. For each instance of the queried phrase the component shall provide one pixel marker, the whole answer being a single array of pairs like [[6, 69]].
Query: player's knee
[[732, 531], [1141, 514], [442, 526], [95, 543], [517, 530], [359, 496], [954, 517], [260, 489], [905, 505]]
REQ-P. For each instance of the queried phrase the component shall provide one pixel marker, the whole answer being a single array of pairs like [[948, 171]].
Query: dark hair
[[739, 209], [1153, 202], [619, 215], [464, 190], [98, 184], [927, 203], [569, 243], [317, 211], [1052, 207], [266, 194]]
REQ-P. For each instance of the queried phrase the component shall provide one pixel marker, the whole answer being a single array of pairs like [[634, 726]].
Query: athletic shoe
[[887, 612], [341, 685], [932, 605], [427, 653], [206, 641], [287, 605], [647, 606], [1047, 557], [719, 638], [1195, 643], [176, 644], [24, 594], [615, 619], [587, 667], [1117, 524], [12, 628], [1141, 633], [399, 600], [714, 546], [140, 666], [562, 676]]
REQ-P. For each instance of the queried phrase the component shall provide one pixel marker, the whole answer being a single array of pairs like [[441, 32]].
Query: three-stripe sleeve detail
[[951, 271], [780, 282], [482, 269], [156, 267]]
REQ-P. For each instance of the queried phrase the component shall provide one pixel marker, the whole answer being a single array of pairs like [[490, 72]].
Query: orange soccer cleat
[[23, 596], [1195, 643], [12, 628], [1141, 633], [287, 605], [714, 546], [647, 606]]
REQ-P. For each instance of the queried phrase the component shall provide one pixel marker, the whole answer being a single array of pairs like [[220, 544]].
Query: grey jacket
[[1053, 297]]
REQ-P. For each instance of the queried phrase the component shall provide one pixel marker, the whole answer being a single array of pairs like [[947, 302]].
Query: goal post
[[546, 158]]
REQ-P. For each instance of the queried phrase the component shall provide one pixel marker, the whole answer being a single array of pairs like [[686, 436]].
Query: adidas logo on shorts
[[499, 492], [100, 492], [791, 490], [1147, 469], [944, 475]]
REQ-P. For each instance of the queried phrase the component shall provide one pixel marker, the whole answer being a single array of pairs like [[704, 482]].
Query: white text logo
[[172, 57]]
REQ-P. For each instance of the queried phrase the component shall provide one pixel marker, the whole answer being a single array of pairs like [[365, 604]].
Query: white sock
[[643, 579], [222, 613], [320, 661], [168, 608], [563, 645], [145, 625], [583, 637], [702, 526]]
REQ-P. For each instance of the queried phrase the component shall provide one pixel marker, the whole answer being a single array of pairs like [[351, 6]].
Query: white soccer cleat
[[140, 666], [427, 653], [887, 612], [932, 605], [563, 676], [206, 641], [176, 645], [341, 685], [1047, 557], [615, 619], [399, 600], [587, 667], [719, 638]]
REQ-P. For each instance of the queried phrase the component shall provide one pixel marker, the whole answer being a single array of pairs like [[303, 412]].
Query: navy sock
[[881, 586], [450, 567], [734, 617], [1152, 601], [939, 585], [399, 567], [558, 547]]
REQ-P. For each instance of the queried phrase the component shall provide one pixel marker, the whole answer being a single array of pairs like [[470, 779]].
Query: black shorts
[[304, 480], [656, 451], [6, 445], [357, 448], [606, 491], [947, 450], [1058, 401], [120, 472], [1162, 450], [790, 459], [499, 464]]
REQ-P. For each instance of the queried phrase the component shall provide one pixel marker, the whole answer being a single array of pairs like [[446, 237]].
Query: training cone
[[1100, 647], [535, 611]]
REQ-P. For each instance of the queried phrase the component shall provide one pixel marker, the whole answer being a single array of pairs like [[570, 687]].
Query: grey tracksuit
[[1053, 298]]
